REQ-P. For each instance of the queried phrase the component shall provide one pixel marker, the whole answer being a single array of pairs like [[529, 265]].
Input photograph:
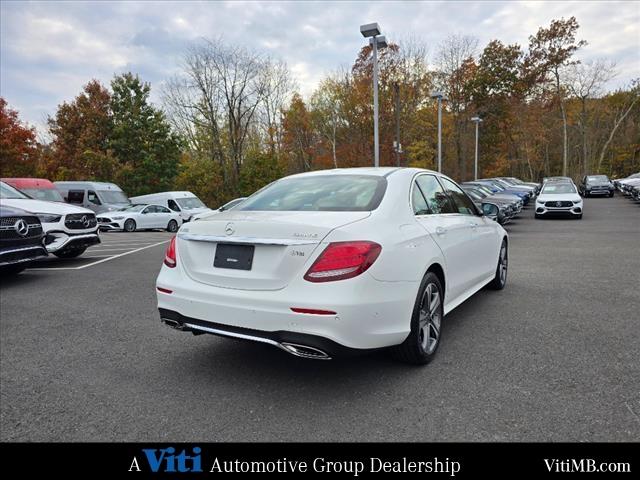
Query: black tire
[[500, 279], [611, 194], [585, 194], [172, 226], [130, 225], [579, 217], [537, 216], [76, 252], [12, 270], [416, 349]]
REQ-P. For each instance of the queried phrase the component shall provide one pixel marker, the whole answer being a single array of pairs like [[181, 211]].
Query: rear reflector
[[164, 290], [312, 311], [342, 260], [170, 254]]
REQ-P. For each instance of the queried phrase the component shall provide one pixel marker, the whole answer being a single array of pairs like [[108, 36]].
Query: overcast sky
[[48, 50]]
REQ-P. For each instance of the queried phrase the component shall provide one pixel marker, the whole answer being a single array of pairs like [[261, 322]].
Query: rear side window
[[323, 193], [461, 201], [75, 196], [173, 205], [160, 209], [420, 206], [435, 196]]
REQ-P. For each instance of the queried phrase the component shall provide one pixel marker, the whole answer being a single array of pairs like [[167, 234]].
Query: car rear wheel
[[421, 345], [130, 225], [500, 279], [172, 227], [76, 252]]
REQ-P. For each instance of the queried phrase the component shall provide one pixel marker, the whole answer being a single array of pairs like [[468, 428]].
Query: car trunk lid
[[251, 250]]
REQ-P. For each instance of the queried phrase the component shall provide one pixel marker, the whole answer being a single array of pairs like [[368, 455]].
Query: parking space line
[[110, 250], [113, 257]]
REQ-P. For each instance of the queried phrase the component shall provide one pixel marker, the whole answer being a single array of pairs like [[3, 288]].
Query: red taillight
[[170, 254], [342, 260], [312, 311]]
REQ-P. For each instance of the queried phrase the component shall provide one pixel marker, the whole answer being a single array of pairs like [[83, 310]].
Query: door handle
[[441, 231]]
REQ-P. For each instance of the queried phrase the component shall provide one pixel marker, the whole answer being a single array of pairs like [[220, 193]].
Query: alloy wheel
[[430, 319]]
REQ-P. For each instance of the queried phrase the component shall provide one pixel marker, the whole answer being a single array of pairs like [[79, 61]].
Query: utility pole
[[398, 147]]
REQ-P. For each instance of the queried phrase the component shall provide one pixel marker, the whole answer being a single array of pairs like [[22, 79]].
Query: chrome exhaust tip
[[173, 324], [304, 351]]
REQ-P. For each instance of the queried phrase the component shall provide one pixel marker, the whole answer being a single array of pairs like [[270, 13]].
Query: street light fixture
[[477, 120], [372, 32], [441, 97]]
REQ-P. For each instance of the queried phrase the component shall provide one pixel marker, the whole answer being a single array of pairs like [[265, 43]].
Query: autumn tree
[[299, 136], [550, 51], [80, 128], [18, 146]]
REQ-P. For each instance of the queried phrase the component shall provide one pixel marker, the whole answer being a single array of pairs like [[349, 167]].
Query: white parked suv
[[559, 198], [329, 262], [69, 230]]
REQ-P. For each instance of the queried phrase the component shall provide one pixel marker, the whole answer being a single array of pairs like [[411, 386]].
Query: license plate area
[[233, 256]]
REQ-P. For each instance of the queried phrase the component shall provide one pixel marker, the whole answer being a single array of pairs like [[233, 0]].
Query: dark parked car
[[21, 240], [596, 185]]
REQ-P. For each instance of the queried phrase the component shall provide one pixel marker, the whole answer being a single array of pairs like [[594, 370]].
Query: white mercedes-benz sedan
[[331, 262], [140, 217], [559, 199]]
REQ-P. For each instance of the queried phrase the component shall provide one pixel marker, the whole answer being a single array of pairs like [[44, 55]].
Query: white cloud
[[48, 50]]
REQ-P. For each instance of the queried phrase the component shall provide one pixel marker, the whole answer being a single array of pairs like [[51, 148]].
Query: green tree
[[142, 138], [258, 170]]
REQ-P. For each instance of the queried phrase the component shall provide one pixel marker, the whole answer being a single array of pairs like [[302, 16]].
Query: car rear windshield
[[112, 196], [189, 203], [46, 194], [554, 188], [322, 193]]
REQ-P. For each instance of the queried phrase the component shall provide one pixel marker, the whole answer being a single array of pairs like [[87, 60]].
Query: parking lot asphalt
[[552, 357]]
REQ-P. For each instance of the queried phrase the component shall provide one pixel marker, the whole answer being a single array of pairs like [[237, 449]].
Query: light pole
[[440, 96], [372, 31], [477, 120]]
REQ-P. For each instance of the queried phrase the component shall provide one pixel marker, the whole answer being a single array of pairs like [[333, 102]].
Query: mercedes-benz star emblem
[[21, 228], [229, 229], [85, 221], [558, 204]]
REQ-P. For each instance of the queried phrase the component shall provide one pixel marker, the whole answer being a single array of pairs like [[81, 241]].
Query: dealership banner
[[454, 460]]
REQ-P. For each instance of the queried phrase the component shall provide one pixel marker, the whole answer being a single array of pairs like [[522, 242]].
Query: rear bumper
[[294, 343], [368, 314], [14, 256]]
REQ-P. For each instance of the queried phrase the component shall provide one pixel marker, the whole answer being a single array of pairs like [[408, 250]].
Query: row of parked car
[[40, 217], [629, 186]]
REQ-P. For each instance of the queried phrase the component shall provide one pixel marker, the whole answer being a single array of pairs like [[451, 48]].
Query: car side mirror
[[490, 210]]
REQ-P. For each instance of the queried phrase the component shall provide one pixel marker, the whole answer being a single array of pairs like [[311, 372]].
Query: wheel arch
[[438, 271]]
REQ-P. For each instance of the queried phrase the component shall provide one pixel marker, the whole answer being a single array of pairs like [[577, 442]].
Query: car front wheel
[[130, 225], [421, 345]]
